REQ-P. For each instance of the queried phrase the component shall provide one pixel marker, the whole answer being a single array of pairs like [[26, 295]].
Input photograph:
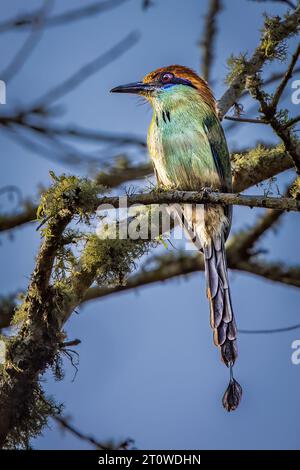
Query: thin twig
[[252, 121], [28, 19], [74, 342], [246, 240], [275, 330], [286, 2], [86, 71], [292, 122], [208, 42], [284, 29], [29, 45], [288, 74], [65, 424]]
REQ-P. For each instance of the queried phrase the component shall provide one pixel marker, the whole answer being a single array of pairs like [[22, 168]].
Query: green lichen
[[254, 156], [236, 66], [112, 259], [31, 423], [63, 265], [69, 193], [271, 44], [20, 313], [295, 189]]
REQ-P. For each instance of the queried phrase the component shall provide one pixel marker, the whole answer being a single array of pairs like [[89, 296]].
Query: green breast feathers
[[188, 148]]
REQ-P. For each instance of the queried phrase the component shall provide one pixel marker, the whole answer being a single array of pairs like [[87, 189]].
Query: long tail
[[221, 313]]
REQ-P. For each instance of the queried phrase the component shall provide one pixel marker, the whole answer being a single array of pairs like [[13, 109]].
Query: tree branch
[[209, 35], [8, 222], [29, 19], [286, 2], [256, 165], [248, 120], [86, 71], [184, 265], [273, 36], [274, 330], [289, 73], [291, 143], [29, 44], [249, 168], [205, 197], [275, 272], [66, 425]]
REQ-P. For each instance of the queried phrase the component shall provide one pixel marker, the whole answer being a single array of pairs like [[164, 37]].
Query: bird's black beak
[[137, 88]]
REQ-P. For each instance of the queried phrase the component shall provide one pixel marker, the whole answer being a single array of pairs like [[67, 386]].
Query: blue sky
[[148, 368]]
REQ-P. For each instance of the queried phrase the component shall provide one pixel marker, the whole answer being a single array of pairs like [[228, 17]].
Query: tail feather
[[221, 312]]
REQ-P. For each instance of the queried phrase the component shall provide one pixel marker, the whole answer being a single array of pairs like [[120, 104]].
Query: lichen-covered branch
[[275, 31], [185, 265], [277, 119], [249, 168], [206, 197], [36, 346], [53, 293], [259, 164], [118, 174], [63, 279]]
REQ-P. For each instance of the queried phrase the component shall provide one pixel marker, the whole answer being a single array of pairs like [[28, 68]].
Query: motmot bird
[[189, 152]]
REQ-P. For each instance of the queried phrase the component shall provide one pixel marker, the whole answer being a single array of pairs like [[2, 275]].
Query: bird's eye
[[167, 77]]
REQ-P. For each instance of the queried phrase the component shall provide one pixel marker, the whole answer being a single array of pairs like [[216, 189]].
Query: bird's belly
[[177, 160], [182, 160]]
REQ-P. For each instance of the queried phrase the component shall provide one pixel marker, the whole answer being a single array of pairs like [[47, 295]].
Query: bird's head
[[173, 83]]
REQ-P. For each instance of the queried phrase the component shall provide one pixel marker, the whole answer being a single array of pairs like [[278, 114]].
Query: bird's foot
[[208, 189]]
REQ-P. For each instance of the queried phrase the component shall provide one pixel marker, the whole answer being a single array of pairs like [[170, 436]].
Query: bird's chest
[[176, 148]]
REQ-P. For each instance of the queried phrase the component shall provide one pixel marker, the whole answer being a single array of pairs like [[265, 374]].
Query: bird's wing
[[219, 151]]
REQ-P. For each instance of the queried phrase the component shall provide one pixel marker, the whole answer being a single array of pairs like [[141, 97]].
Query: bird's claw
[[207, 190]]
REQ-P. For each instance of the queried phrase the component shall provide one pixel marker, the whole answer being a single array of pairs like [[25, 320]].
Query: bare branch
[[29, 19], [275, 272], [184, 265], [146, 4], [79, 133], [29, 45], [291, 122], [291, 143], [274, 330], [251, 121], [86, 71], [285, 2], [66, 425], [289, 73], [209, 35], [7, 309], [74, 342], [8, 222], [245, 241]]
